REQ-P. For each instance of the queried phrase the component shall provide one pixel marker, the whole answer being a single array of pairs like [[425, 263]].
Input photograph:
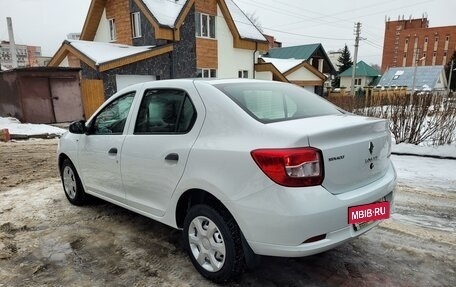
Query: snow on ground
[[426, 173], [14, 126], [442, 151]]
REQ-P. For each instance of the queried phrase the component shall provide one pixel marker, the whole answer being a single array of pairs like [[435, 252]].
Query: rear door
[[155, 154]]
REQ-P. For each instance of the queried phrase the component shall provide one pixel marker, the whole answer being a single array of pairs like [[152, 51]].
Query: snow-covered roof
[[426, 77], [101, 52], [165, 11], [243, 24], [283, 65]]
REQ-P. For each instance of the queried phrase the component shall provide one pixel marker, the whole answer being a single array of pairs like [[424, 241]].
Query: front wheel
[[213, 242], [72, 183]]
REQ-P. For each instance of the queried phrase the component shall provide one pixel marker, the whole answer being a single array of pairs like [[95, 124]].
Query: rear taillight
[[294, 167]]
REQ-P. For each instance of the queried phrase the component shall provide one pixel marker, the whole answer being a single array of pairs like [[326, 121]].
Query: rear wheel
[[213, 242], [72, 184]]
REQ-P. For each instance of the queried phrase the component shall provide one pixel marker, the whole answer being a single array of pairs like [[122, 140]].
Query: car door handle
[[172, 156], [112, 151]]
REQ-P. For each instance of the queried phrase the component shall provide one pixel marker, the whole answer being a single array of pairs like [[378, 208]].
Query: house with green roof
[[313, 54], [365, 75]]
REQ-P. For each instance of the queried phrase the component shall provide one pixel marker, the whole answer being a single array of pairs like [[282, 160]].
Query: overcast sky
[[293, 22]]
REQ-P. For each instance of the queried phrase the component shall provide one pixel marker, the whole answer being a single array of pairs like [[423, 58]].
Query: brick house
[[410, 42]]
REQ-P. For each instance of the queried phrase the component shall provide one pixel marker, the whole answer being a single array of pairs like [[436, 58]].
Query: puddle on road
[[55, 251]]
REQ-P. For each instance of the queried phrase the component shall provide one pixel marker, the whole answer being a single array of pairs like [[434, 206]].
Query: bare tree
[[255, 20]]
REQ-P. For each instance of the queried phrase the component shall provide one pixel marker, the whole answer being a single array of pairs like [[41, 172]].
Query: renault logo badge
[[371, 148]]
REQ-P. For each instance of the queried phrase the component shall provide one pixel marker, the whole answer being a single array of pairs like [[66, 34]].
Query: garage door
[[123, 81]]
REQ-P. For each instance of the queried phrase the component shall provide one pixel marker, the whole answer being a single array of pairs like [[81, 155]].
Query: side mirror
[[78, 127]]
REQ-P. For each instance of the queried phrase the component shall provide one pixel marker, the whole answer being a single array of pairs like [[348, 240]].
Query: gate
[[92, 96]]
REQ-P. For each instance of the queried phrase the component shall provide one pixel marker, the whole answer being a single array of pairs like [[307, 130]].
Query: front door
[[100, 150]]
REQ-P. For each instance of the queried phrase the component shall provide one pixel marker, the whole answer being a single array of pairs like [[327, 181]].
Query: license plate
[[368, 212]]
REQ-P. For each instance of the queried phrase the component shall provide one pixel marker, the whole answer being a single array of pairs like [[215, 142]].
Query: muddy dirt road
[[45, 241]]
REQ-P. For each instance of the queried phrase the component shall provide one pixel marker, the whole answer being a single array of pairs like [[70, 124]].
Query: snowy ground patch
[[15, 127]]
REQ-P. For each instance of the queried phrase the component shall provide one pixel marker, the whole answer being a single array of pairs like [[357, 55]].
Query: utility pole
[[416, 56], [449, 78], [12, 43], [355, 57]]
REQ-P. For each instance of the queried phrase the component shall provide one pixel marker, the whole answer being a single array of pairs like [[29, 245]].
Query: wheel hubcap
[[207, 244], [69, 182]]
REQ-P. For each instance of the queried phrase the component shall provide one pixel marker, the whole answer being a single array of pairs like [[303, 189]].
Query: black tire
[[230, 236], [72, 185]]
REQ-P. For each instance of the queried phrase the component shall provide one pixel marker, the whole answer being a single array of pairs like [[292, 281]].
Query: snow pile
[[15, 127], [439, 151]]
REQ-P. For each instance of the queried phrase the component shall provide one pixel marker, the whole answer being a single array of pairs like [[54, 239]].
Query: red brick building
[[410, 41]]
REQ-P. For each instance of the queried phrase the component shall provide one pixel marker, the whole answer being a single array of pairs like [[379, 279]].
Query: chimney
[[12, 43]]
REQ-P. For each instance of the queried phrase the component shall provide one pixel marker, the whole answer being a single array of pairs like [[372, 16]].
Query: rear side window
[[165, 111], [273, 102]]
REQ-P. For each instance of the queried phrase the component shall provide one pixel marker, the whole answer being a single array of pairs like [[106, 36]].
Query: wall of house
[[120, 11], [147, 30], [183, 55], [302, 74], [65, 63], [346, 82], [207, 48], [102, 34], [231, 60], [158, 66], [263, 76]]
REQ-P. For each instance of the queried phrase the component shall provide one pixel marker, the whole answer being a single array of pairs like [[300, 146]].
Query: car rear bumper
[[332, 240], [278, 221]]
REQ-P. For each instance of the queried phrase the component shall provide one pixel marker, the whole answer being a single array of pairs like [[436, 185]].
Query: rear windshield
[[274, 102]]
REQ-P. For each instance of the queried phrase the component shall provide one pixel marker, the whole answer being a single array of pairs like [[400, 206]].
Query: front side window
[[136, 24], [112, 29], [111, 120], [165, 111], [205, 25], [272, 102]]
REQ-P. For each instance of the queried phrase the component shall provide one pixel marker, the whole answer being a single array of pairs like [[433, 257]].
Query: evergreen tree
[[447, 71], [345, 60], [345, 63]]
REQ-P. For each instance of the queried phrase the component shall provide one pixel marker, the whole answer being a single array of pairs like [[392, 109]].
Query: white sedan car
[[244, 167]]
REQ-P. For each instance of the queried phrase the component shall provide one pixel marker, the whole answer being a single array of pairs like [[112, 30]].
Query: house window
[[358, 82], [436, 39], [205, 25], [447, 38], [426, 40], [243, 74], [112, 29], [136, 24], [206, 73]]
